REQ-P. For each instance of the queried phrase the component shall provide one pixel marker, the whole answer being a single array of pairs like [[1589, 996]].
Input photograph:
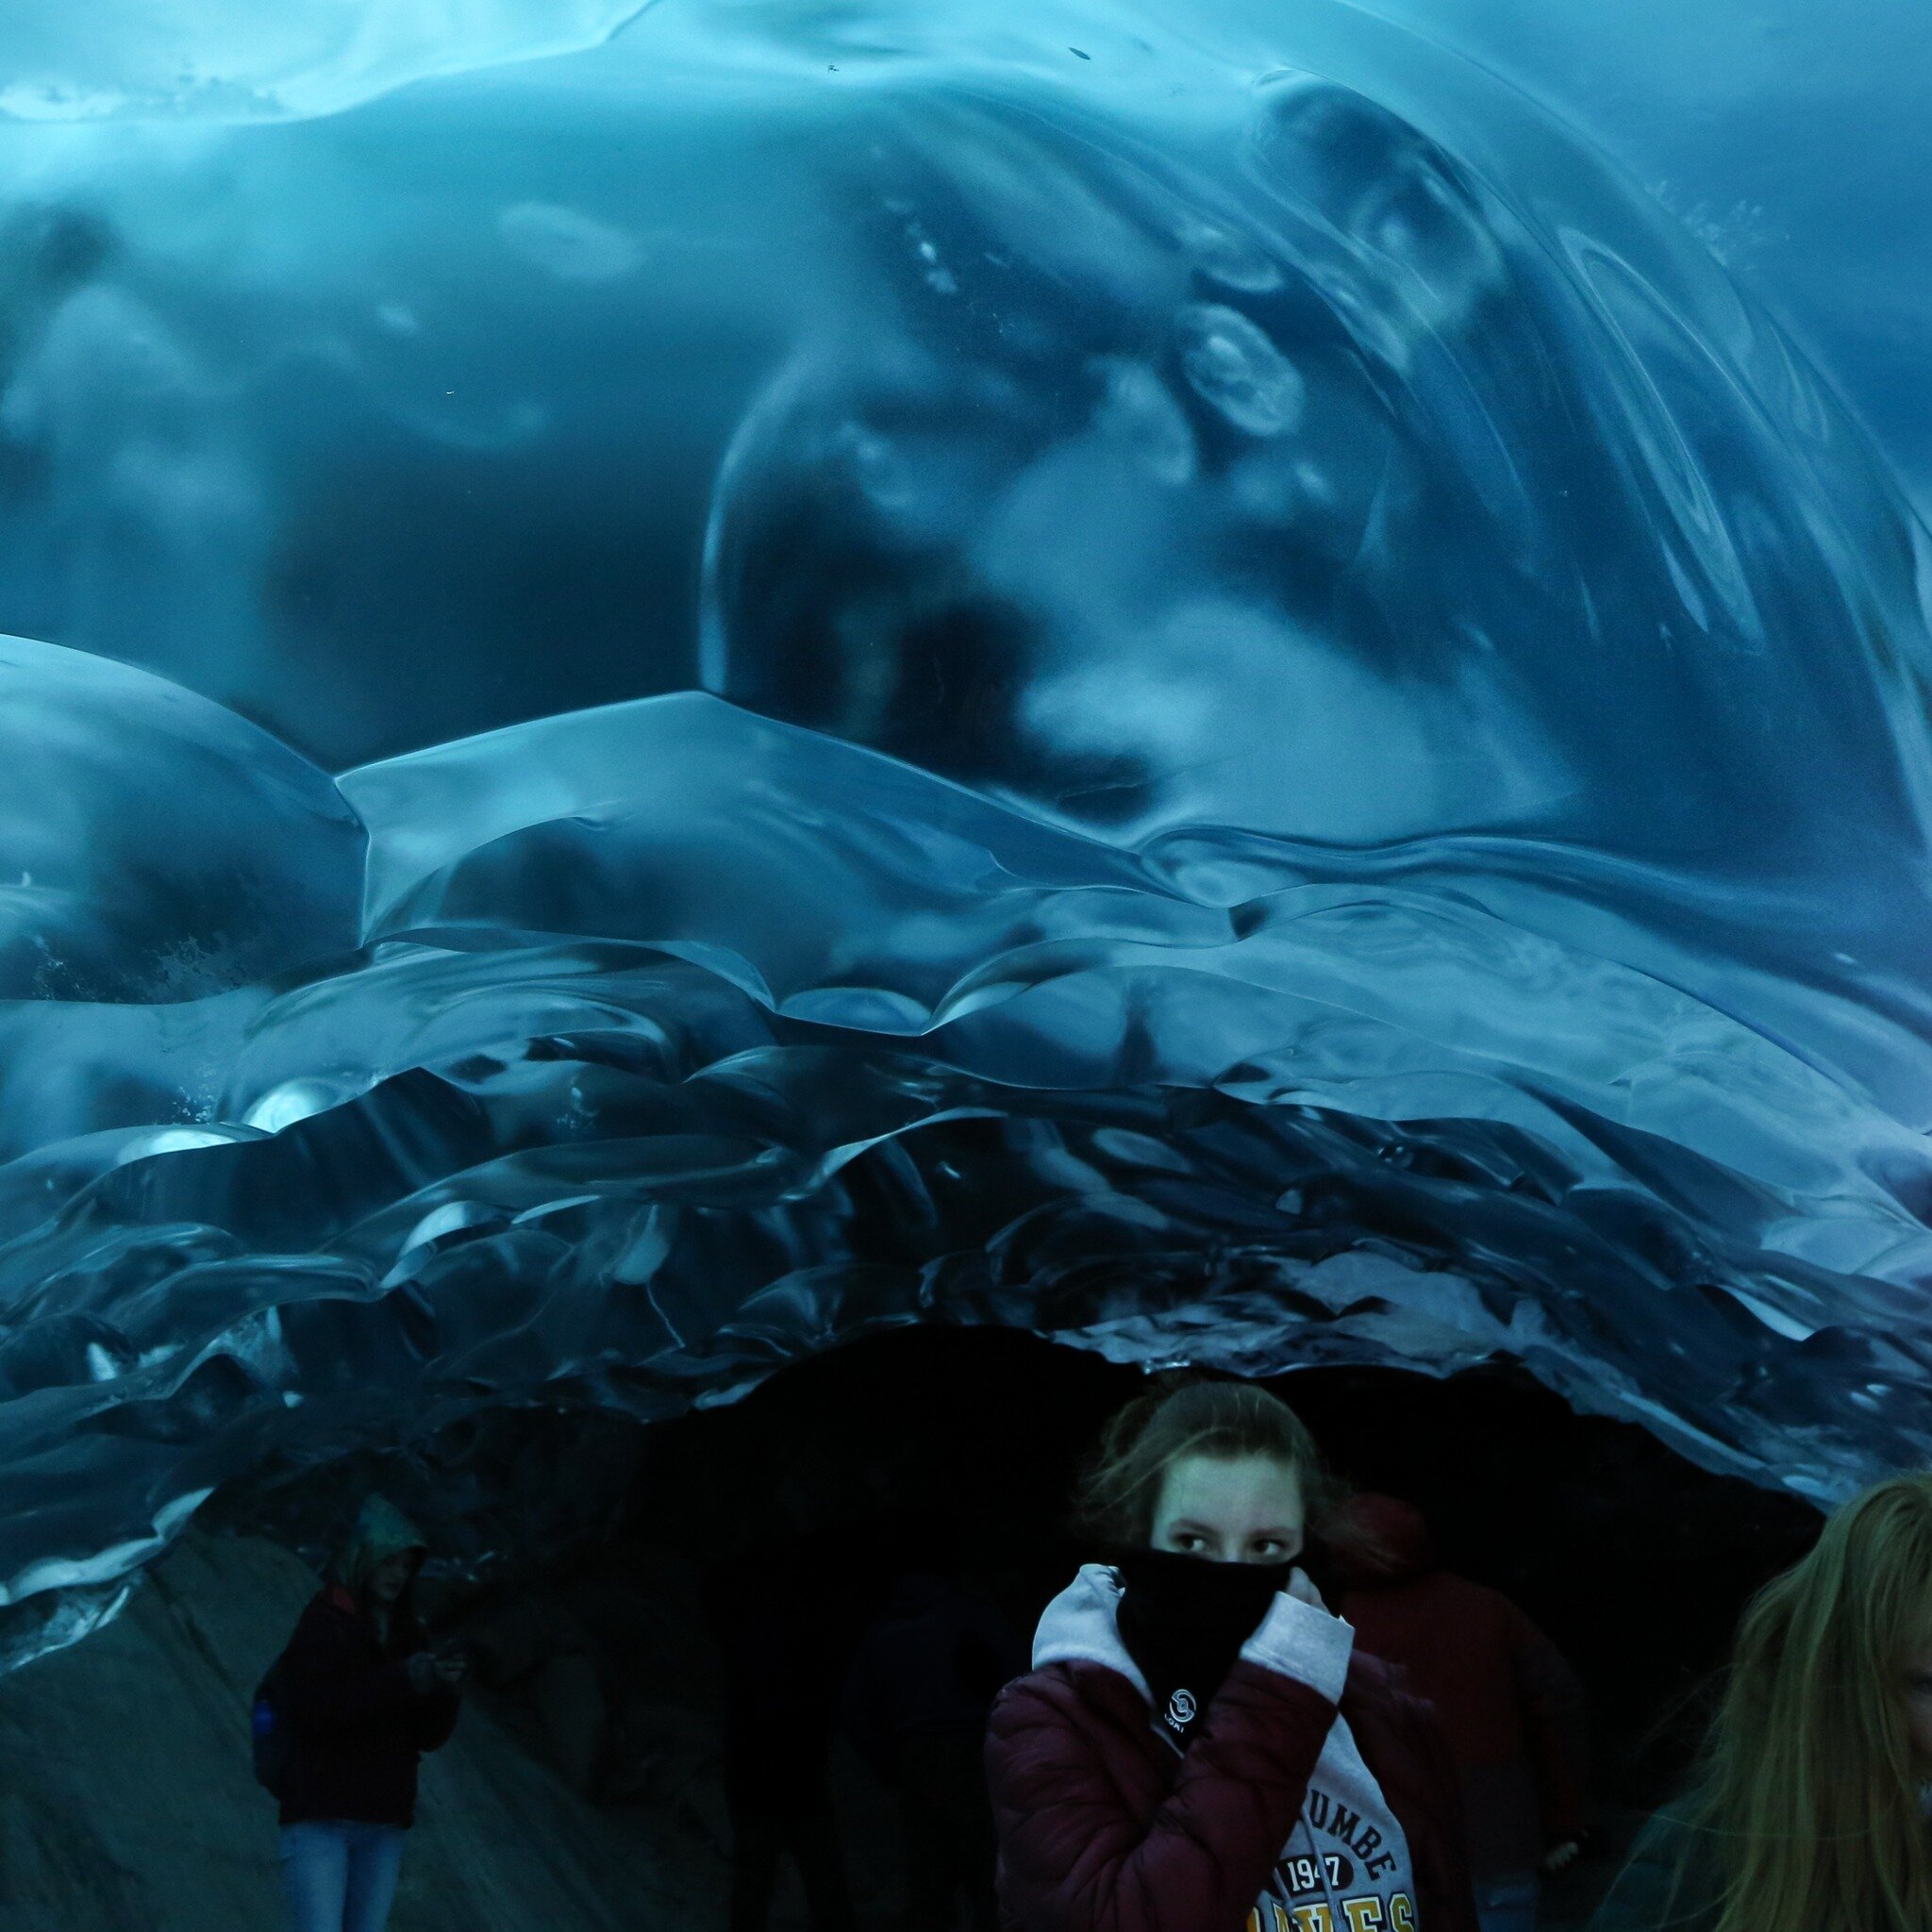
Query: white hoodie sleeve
[[1298, 1641]]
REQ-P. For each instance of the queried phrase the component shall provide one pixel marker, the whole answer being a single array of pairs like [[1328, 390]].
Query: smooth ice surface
[[224, 61], [1178, 676]]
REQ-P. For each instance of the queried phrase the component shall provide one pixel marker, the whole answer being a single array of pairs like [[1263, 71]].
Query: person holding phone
[[1199, 1746], [363, 1695]]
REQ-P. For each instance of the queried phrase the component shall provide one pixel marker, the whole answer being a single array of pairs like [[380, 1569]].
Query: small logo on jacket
[[1180, 1709]]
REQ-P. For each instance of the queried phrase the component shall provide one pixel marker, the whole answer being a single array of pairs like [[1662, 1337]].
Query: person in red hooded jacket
[[1201, 1746], [1510, 1706], [363, 1696]]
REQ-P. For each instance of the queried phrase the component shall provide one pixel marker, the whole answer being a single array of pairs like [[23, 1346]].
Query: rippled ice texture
[[1181, 680]]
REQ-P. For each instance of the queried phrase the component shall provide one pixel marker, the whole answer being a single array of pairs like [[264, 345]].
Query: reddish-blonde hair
[[1189, 1415]]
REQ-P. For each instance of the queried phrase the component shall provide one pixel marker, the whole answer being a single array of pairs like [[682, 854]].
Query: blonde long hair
[[1808, 1796]]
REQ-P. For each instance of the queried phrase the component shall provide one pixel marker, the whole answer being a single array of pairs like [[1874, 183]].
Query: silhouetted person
[[922, 1682], [782, 1622], [363, 1697], [1511, 1708]]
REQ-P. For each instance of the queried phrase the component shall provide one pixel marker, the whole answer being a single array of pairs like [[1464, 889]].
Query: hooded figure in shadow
[[362, 1696], [784, 1623], [1511, 1708], [916, 1704]]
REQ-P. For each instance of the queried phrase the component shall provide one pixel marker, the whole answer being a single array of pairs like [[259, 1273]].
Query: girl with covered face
[[1199, 1746], [363, 1696], [1809, 1809]]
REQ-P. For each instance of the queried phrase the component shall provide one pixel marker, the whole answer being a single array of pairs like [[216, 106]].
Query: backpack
[[269, 1732]]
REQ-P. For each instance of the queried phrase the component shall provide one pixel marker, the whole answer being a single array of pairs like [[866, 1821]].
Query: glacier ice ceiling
[[690, 680]]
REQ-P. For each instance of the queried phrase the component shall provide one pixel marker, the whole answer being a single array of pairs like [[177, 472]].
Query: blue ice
[[1272, 671]]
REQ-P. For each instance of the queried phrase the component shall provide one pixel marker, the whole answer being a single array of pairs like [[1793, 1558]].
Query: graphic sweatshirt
[[1274, 1818]]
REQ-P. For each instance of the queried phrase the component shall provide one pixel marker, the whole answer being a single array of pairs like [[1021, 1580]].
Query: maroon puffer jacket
[[1104, 1827]]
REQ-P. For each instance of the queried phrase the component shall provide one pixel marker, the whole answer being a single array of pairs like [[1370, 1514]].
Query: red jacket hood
[[1379, 1540]]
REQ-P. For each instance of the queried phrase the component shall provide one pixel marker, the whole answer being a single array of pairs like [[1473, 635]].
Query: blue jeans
[[1508, 1904], [341, 1877]]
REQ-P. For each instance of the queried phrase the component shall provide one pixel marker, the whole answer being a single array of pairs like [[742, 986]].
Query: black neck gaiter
[[1184, 1621]]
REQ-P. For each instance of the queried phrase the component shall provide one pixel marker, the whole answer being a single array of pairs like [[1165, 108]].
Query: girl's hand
[[1303, 1591]]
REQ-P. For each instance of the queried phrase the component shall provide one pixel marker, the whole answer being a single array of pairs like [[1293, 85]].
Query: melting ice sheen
[[1313, 749]]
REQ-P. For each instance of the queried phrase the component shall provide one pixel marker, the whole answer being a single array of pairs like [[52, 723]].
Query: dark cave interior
[[957, 1449]]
